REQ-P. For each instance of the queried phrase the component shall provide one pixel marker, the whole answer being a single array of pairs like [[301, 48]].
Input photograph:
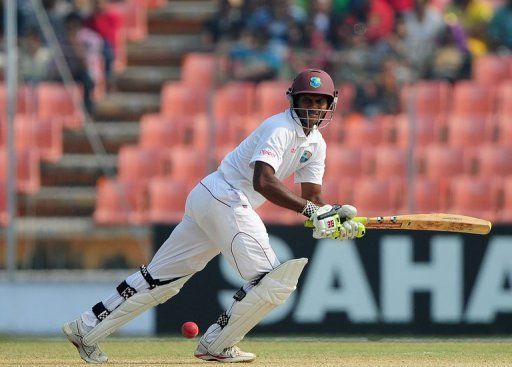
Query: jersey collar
[[312, 138]]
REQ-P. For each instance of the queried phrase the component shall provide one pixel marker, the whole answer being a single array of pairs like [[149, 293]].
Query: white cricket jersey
[[280, 142]]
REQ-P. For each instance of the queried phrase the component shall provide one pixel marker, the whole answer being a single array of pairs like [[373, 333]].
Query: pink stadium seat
[[344, 161], [491, 70], [28, 174], [59, 103], [425, 130], [470, 99], [44, 135], [473, 196], [426, 195], [494, 160], [166, 199], [234, 98], [179, 100], [428, 98], [504, 128], [4, 218], [199, 69], [187, 164], [197, 133], [375, 197], [242, 126], [442, 161], [271, 97], [25, 100], [273, 214], [468, 131], [505, 213], [118, 202], [140, 164], [390, 161], [362, 134], [346, 95], [505, 98], [159, 132]]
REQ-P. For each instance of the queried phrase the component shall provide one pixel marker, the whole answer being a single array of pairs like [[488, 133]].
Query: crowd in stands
[[86, 32], [376, 45]]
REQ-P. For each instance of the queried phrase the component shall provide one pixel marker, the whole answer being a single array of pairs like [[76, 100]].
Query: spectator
[[107, 24], [424, 25], [226, 23], [35, 58], [253, 59], [500, 28]]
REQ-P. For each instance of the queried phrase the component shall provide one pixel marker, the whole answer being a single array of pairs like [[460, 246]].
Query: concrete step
[[77, 170], [180, 17], [59, 202], [113, 135], [146, 78], [163, 50], [126, 106]]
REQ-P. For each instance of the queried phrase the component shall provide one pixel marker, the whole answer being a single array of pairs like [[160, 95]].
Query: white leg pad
[[272, 290], [133, 307]]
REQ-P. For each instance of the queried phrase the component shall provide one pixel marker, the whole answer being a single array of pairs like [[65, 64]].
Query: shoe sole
[[66, 329], [210, 358]]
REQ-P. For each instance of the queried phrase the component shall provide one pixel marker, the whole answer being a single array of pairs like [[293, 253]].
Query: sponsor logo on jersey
[[315, 82], [305, 156]]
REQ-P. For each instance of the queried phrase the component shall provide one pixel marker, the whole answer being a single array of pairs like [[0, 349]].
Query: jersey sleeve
[[271, 147], [313, 172]]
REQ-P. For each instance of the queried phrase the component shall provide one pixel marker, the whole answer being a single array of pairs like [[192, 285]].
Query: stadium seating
[[505, 213], [376, 196], [179, 100], [362, 134], [425, 130], [505, 98], [271, 97], [43, 135], [346, 95], [442, 161], [140, 164], [197, 132], [494, 160], [426, 196], [491, 70], [187, 164], [4, 218], [473, 196], [504, 129], [199, 70], [166, 199], [344, 161], [60, 103], [428, 98], [469, 130], [234, 98], [118, 202], [390, 161], [472, 99], [273, 214], [28, 174], [159, 132], [25, 100]]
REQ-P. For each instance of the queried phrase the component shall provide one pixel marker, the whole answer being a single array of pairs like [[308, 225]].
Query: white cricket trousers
[[218, 219]]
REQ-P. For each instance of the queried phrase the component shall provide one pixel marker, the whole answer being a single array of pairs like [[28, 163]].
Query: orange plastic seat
[[505, 98], [362, 134], [179, 100], [139, 164], [468, 131], [344, 161], [491, 70], [187, 164], [271, 97], [234, 98], [274, 214], [4, 217], [198, 70], [391, 161], [375, 197], [425, 128], [427, 98], [28, 174], [44, 135], [25, 100], [473, 196], [118, 202], [346, 95], [504, 129], [494, 161], [166, 199], [470, 99], [442, 161], [159, 132], [505, 213], [197, 133], [59, 103], [426, 196]]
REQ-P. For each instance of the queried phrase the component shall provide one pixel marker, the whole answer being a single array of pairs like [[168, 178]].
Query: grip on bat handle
[[308, 223]]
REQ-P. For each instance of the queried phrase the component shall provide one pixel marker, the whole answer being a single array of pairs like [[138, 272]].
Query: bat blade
[[430, 222]]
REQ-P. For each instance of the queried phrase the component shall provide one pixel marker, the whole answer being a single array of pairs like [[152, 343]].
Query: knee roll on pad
[[272, 290], [132, 307]]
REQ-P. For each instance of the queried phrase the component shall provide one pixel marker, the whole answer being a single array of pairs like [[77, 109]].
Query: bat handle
[[308, 223]]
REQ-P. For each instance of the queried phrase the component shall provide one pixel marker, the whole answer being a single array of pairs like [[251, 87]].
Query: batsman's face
[[311, 108]]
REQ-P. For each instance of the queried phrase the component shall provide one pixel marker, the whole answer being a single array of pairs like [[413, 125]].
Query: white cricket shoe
[[75, 331], [229, 355]]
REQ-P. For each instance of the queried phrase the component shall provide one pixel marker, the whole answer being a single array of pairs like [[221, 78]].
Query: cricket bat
[[425, 222]]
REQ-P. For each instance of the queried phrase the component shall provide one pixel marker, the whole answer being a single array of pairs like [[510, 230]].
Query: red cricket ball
[[189, 329]]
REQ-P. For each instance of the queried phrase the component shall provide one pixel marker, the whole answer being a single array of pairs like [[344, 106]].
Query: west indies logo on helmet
[[312, 81]]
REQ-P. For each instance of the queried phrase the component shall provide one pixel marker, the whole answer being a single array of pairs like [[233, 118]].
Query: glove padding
[[326, 222], [336, 222]]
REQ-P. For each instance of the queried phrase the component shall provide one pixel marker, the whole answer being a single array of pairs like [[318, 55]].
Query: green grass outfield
[[271, 351]]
